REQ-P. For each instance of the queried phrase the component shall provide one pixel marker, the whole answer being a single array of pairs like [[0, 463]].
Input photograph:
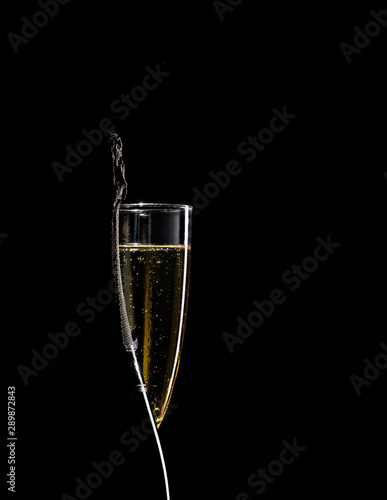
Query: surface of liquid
[[155, 284]]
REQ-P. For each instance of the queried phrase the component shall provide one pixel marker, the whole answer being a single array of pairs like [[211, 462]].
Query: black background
[[323, 175]]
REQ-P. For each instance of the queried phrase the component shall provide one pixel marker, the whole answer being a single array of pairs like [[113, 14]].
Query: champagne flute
[[154, 261]]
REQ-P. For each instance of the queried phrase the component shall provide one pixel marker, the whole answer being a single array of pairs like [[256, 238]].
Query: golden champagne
[[155, 282]]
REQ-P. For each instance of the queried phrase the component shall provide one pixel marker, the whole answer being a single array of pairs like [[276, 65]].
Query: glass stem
[[142, 388], [158, 444]]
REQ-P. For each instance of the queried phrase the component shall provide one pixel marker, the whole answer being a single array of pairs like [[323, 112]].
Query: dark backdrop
[[321, 177]]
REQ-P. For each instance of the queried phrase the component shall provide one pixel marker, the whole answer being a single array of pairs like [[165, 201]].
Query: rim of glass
[[127, 207]]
